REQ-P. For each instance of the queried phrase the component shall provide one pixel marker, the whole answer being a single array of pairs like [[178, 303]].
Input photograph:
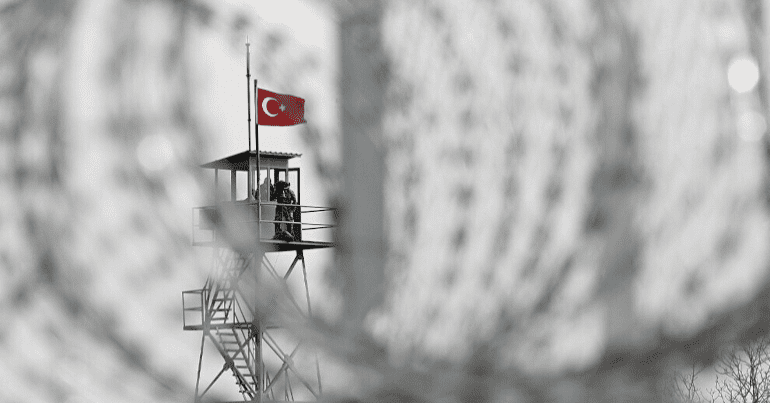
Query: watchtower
[[242, 306]]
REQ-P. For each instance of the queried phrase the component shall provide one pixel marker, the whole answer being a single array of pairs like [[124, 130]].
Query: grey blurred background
[[561, 200]]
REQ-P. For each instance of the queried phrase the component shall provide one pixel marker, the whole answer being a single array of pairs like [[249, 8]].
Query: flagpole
[[250, 177], [260, 364], [248, 81], [259, 165]]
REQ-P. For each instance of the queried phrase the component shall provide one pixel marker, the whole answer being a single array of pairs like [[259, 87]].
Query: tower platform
[[275, 245], [269, 245]]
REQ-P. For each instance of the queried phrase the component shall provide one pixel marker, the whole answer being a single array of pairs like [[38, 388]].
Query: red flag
[[279, 109]]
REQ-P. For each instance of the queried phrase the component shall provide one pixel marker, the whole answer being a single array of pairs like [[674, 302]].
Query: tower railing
[[193, 309], [198, 308], [206, 219]]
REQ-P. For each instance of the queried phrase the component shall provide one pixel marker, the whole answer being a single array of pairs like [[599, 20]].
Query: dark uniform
[[283, 195]]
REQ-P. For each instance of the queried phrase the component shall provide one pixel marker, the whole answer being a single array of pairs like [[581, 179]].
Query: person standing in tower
[[283, 195]]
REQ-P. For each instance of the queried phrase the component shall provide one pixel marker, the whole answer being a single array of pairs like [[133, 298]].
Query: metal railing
[[207, 220], [193, 316], [199, 308]]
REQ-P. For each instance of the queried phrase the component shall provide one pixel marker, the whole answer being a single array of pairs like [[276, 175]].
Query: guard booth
[[265, 359], [250, 204]]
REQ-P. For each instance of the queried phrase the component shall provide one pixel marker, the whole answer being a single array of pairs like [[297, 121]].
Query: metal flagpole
[[248, 91], [250, 177], [261, 382], [259, 165]]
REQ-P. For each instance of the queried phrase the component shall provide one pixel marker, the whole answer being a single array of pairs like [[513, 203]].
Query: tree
[[743, 373], [684, 386]]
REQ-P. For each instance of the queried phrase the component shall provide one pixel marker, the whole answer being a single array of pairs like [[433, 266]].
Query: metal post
[[216, 186], [250, 177], [259, 165], [200, 365], [260, 367], [258, 263], [232, 184]]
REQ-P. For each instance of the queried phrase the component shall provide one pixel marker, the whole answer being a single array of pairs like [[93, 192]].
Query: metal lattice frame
[[260, 360]]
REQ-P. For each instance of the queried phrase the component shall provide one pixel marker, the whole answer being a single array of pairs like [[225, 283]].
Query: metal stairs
[[230, 328], [240, 359]]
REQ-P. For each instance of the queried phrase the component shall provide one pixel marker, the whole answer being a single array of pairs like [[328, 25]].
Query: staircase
[[222, 302], [235, 349], [231, 330]]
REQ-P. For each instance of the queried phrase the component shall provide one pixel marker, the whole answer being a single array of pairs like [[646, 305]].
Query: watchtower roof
[[240, 161]]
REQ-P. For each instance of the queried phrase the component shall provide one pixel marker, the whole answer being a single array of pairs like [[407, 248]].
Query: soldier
[[262, 192], [283, 195]]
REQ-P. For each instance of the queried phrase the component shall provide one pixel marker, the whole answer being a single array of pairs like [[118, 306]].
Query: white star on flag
[[291, 109]]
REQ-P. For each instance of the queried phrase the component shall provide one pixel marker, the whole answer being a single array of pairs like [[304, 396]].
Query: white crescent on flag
[[289, 112], [264, 106]]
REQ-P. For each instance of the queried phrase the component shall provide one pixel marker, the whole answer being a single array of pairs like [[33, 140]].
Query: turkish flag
[[279, 109]]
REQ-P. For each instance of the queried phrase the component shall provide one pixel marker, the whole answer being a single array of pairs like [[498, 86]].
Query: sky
[[305, 22]]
